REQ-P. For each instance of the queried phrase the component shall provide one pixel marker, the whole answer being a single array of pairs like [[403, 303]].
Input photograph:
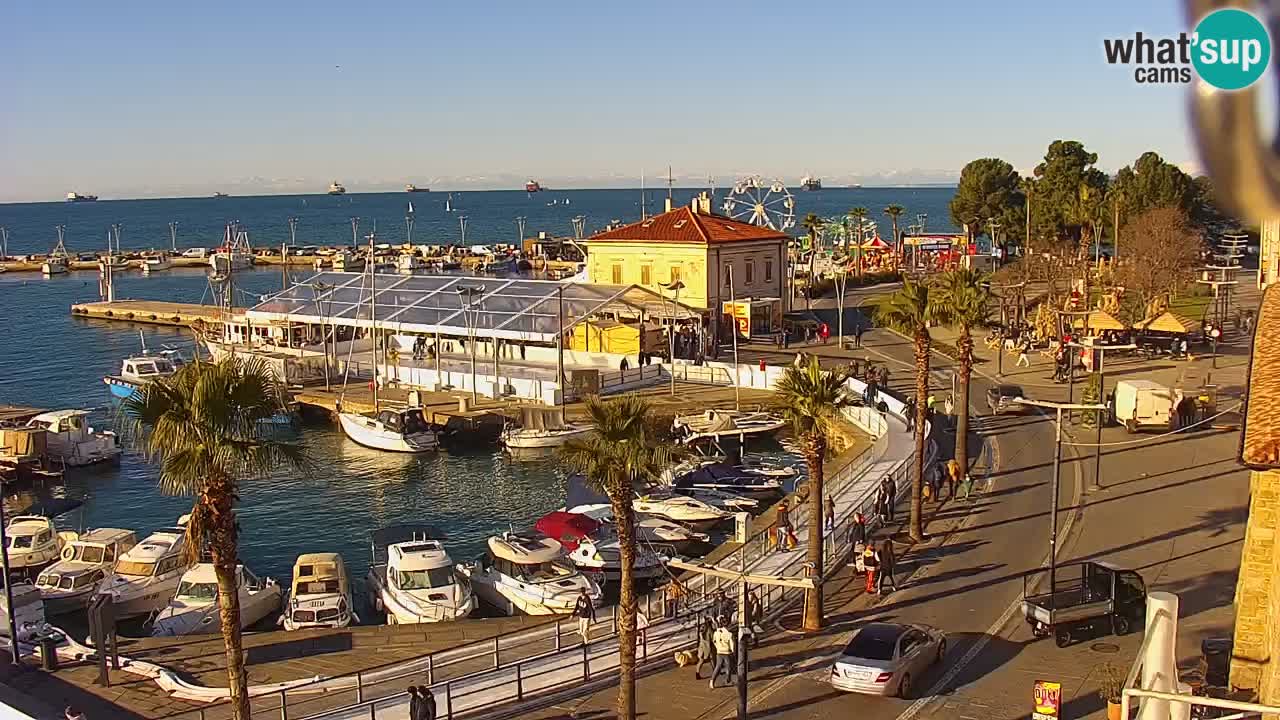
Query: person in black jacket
[[887, 563], [427, 704], [415, 704], [585, 611]]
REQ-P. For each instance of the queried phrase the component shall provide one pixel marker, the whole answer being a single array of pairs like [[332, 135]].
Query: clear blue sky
[[162, 98]]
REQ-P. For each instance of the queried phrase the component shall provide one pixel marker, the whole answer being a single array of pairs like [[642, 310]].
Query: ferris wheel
[[760, 202]]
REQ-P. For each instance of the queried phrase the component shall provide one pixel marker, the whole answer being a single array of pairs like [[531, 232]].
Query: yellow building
[[700, 249]]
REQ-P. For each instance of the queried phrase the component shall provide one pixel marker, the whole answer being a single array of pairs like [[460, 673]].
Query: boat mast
[[373, 320], [173, 235]]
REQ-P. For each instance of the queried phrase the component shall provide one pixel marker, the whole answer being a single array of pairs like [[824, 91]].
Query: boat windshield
[[197, 591], [318, 587], [543, 572], [20, 542], [134, 568], [90, 554], [425, 579]]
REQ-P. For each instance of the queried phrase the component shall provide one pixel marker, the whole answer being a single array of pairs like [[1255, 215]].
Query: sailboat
[[448, 203], [406, 430], [58, 259]]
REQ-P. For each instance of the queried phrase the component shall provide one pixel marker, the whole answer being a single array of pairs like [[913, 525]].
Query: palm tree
[[910, 311], [895, 211], [858, 214], [962, 299], [813, 224], [812, 399], [207, 427], [618, 455]]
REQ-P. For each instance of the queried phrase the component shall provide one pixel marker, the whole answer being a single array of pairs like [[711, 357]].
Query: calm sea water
[[50, 359], [326, 220]]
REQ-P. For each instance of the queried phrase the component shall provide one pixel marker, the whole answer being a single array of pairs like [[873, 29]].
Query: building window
[[617, 274], [646, 274], [751, 272], [675, 273], [728, 271], [768, 270]]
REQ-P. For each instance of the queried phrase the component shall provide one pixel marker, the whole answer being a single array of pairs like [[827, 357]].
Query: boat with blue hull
[[138, 370]]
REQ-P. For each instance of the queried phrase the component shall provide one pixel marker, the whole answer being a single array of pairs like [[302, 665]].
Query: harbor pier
[[150, 312]]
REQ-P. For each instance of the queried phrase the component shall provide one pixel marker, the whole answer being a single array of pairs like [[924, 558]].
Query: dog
[[685, 658]]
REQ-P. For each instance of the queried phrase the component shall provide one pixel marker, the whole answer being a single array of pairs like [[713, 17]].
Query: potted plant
[[1110, 687]]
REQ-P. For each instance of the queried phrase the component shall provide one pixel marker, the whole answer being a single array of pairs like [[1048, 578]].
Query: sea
[[51, 360]]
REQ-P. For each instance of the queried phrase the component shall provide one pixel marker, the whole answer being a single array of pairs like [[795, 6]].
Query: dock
[[149, 312]]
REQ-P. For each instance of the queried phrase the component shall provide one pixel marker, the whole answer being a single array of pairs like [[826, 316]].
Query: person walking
[[722, 639], [824, 332], [953, 477], [887, 492], [753, 618], [887, 562], [949, 407], [910, 410], [857, 335], [871, 562], [786, 538], [675, 591], [830, 514], [415, 703], [585, 611], [706, 650], [933, 479], [428, 700], [891, 486], [1023, 360], [858, 532]]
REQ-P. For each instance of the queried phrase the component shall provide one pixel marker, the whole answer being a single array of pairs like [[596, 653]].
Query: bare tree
[[1162, 251]]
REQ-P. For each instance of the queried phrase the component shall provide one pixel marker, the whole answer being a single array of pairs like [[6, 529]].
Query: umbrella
[[1099, 320], [1167, 322]]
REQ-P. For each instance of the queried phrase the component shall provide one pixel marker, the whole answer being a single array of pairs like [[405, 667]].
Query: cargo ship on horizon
[[414, 188], [335, 188], [532, 187], [77, 197]]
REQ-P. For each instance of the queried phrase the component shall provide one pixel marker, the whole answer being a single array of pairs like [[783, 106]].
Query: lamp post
[[674, 286], [841, 278], [355, 230], [1057, 467], [466, 293], [8, 592], [1102, 394]]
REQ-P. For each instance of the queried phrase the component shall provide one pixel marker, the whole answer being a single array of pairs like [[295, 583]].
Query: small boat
[[529, 575], [59, 260], [410, 263], [34, 542], [688, 511], [147, 575], [221, 195], [721, 499], [532, 186], [235, 252], [320, 595], [138, 370], [499, 265], [392, 430], [650, 529], [725, 477], [346, 261], [155, 262], [717, 424], [71, 440], [112, 263], [194, 607], [28, 608], [69, 584], [594, 548], [542, 428], [413, 580], [336, 188]]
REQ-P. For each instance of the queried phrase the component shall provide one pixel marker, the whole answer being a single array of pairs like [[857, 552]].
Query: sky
[[154, 99]]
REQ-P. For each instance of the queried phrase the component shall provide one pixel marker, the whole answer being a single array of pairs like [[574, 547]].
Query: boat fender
[[176, 319], [153, 316], [129, 315], [109, 313]]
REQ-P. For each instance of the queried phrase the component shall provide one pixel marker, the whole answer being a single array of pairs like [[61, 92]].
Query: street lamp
[[841, 278], [469, 317], [1057, 466], [674, 286], [1102, 394]]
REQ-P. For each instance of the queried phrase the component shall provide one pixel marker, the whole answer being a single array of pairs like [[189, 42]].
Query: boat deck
[[149, 312]]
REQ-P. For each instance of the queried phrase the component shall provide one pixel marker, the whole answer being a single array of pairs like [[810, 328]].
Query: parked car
[[1085, 596], [1138, 404], [1002, 397], [887, 658], [196, 253]]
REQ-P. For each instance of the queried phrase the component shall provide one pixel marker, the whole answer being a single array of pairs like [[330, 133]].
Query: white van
[[1143, 404]]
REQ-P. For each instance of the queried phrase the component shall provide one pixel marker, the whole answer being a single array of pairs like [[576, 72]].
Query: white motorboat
[[320, 596], [725, 477], [542, 428], [194, 607], [33, 542], [414, 580], [69, 584], [404, 431], [138, 370], [28, 607], [59, 260], [687, 511], [71, 440], [721, 499], [530, 575], [146, 577], [155, 262], [112, 263], [594, 547], [650, 529], [716, 424]]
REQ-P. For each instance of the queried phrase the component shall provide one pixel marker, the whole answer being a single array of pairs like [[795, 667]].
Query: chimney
[[702, 204], [669, 208]]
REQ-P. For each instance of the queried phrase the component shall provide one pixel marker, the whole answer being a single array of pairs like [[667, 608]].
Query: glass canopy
[[507, 308]]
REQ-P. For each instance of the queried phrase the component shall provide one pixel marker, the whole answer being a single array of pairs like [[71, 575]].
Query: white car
[[199, 253], [887, 658]]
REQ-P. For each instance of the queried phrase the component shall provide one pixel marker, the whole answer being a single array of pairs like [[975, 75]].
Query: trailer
[[1082, 596]]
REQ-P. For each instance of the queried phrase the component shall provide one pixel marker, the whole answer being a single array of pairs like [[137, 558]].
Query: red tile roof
[[683, 225]]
